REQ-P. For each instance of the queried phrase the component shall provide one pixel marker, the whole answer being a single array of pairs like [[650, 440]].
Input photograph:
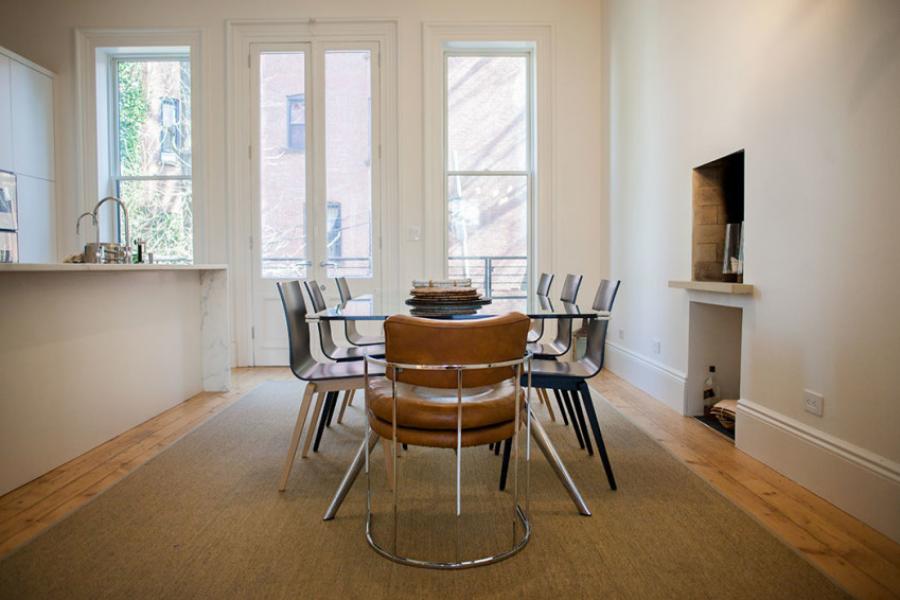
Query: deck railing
[[495, 276]]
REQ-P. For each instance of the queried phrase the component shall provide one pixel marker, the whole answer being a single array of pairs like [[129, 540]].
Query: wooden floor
[[856, 557]]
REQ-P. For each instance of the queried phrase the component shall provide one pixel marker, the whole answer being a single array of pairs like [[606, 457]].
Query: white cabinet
[[26, 149], [37, 220], [32, 126], [6, 147]]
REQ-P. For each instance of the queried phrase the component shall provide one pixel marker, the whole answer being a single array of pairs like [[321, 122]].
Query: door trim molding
[[239, 34]]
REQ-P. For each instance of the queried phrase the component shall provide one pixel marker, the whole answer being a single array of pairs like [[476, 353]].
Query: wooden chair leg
[[295, 436], [350, 398], [344, 405], [311, 432], [547, 403]]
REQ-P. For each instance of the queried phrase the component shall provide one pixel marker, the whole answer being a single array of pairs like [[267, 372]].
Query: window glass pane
[[488, 232], [154, 117], [282, 164], [159, 212], [487, 104], [348, 160]]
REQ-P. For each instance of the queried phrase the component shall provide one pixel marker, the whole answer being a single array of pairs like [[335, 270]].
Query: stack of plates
[[445, 300]]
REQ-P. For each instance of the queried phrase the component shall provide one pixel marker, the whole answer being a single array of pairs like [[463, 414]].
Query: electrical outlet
[[813, 403], [621, 334], [657, 346]]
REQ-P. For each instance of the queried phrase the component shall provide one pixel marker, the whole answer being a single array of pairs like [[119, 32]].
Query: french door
[[315, 156]]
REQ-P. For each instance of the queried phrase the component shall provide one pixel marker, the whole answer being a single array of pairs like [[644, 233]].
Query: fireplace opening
[[718, 204], [715, 341]]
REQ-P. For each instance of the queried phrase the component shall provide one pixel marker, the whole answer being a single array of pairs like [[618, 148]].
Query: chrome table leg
[[546, 446], [350, 476]]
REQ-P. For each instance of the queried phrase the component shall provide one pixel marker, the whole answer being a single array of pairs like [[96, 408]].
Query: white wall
[[811, 90], [43, 30]]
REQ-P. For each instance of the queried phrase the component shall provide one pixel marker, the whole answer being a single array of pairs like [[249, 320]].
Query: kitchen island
[[91, 350]]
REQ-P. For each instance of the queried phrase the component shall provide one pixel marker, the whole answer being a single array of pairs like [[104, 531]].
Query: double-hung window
[[150, 149], [489, 166]]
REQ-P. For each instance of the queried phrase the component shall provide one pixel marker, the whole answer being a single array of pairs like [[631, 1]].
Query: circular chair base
[[464, 564]]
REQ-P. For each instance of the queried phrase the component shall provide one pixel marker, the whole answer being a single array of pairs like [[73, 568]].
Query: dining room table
[[380, 306]]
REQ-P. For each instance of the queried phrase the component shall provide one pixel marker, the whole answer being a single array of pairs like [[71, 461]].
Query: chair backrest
[[343, 288], [414, 340], [326, 340], [569, 292], [298, 330], [596, 339], [543, 287]]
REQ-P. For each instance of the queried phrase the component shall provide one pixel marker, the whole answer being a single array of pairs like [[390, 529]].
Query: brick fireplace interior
[[718, 199]]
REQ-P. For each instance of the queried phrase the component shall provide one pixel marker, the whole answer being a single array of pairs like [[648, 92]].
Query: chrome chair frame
[[519, 514]]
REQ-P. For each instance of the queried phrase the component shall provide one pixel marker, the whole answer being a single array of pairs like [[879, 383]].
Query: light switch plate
[[657, 346], [813, 403]]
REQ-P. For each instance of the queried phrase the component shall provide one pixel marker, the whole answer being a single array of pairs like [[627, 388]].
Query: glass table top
[[377, 307]]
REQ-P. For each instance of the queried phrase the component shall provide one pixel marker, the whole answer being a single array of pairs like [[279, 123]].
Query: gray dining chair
[[350, 331], [536, 331], [323, 379]]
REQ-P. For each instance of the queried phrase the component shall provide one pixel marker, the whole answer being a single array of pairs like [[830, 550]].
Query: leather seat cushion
[[429, 408], [442, 438]]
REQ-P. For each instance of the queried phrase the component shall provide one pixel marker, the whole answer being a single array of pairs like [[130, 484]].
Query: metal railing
[[286, 266], [496, 276]]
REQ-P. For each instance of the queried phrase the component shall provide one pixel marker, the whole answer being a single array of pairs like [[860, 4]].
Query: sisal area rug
[[203, 520]]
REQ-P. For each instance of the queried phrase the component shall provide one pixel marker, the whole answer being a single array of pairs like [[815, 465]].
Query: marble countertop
[[75, 267]]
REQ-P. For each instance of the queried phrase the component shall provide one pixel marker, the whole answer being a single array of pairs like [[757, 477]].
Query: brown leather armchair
[[449, 384]]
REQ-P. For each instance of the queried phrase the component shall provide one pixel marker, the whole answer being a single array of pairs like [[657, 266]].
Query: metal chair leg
[[562, 408], [568, 404], [333, 396], [576, 403], [504, 468], [323, 420], [595, 425], [317, 411]]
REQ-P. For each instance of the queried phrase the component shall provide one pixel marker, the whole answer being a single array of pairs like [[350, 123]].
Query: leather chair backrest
[[543, 287], [301, 357], [569, 292], [414, 340], [343, 288]]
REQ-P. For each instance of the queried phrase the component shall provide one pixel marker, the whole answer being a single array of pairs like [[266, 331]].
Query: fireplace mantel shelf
[[719, 287]]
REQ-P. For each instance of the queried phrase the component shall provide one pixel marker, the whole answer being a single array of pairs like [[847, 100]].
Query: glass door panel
[[348, 163], [284, 248]]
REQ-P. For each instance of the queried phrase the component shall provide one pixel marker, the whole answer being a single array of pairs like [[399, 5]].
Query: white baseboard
[[663, 383], [856, 480]]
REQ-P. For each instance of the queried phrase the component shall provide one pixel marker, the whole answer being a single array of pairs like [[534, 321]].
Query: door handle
[[327, 263]]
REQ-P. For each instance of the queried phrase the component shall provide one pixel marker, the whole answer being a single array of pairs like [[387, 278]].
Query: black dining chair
[[350, 331], [570, 378], [563, 340], [325, 380]]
